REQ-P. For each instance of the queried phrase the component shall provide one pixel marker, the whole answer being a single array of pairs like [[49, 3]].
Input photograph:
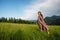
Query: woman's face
[[38, 14]]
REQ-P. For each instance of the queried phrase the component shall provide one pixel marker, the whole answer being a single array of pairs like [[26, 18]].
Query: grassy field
[[12, 31]]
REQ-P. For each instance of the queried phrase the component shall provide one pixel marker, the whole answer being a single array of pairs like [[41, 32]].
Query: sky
[[28, 9]]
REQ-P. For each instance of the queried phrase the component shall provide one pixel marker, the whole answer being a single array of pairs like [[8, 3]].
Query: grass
[[12, 31]]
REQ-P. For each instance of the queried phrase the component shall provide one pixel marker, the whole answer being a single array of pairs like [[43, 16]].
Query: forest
[[53, 20]]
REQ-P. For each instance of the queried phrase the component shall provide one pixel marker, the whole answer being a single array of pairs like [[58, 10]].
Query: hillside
[[54, 20]]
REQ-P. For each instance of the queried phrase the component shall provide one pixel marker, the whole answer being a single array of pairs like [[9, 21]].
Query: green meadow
[[13, 31]]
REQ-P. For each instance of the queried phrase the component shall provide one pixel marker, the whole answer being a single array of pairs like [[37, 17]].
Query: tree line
[[14, 20], [53, 20]]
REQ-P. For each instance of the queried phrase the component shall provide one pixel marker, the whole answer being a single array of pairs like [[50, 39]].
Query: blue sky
[[12, 8], [27, 9]]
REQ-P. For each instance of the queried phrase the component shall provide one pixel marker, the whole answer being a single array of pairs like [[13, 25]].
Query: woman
[[41, 23]]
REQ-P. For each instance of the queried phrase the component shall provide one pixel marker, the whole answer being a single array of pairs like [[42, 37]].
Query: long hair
[[40, 14]]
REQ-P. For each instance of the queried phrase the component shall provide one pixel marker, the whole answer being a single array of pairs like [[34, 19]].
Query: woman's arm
[[44, 25], [42, 19], [40, 22]]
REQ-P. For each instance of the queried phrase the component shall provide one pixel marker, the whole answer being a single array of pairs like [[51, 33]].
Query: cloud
[[48, 8]]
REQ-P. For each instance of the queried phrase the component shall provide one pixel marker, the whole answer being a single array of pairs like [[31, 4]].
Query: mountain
[[54, 20]]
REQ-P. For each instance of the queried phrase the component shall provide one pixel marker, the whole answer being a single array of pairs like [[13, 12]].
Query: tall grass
[[11, 31]]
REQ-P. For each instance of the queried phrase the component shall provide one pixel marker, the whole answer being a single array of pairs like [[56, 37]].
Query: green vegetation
[[53, 20], [13, 31], [14, 20]]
